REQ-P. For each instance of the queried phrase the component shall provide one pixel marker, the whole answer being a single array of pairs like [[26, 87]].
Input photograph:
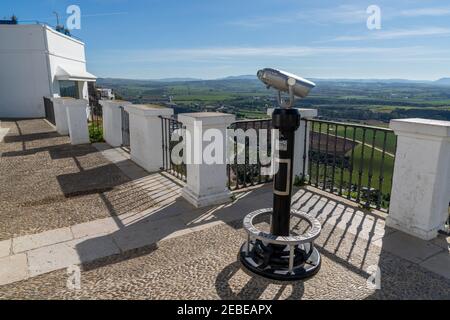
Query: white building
[[106, 94], [37, 61]]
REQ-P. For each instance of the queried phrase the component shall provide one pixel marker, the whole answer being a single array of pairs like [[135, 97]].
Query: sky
[[208, 39]]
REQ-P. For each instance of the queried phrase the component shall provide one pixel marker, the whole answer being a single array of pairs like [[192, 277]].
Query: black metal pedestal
[[266, 262], [279, 255]]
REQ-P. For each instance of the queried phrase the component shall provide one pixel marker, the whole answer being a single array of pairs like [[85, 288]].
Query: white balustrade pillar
[[59, 108], [421, 183], [77, 121], [299, 147], [206, 182], [112, 121], [146, 135]]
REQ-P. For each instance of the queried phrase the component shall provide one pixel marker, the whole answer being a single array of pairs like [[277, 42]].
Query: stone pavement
[[171, 250], [203, 265], [46, 183]]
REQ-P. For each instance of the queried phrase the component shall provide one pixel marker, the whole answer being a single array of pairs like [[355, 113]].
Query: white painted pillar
[[299, 147], [77, 121], [59, 107], [112, 121], [146, 135], [421, 183], [206, 182]]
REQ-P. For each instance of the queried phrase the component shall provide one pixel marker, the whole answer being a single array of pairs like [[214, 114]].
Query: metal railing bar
[[352, 165], [305, 149], [325, 176], [353, 125], [370, 174], [361, 164], [334, 157], [318, 155], [381, 177], [342, 164]]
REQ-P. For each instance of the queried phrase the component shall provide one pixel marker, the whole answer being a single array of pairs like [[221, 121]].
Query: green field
[[358, 133], [368, 167], [343, 100]]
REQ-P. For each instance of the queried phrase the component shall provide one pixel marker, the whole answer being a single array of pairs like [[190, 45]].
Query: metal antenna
[[57, 17]]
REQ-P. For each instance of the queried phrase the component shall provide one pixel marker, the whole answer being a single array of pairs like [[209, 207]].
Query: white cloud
[[343, 14], [242, 54], [397, 34], [432, 11]]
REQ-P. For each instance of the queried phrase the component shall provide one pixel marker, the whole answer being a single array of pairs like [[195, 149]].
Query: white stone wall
[[146, 136], [24, 77], [206, 183], [29, 58], [421, 183], [112, 121]]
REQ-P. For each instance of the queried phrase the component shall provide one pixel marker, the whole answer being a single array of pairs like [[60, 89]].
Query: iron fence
[[446, 229], [95, 122], [351, 160], [125, 127], [168, 127], [49, 111], [243, 175]]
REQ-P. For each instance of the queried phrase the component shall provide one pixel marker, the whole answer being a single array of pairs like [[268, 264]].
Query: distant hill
[[242, 77], [178, 79], [443, 81], [252, 78], [402, 81]]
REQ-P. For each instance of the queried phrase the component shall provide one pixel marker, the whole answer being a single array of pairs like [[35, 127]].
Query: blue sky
[[151, 39]]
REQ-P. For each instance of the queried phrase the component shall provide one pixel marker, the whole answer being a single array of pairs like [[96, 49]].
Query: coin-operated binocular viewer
[[279, 254]]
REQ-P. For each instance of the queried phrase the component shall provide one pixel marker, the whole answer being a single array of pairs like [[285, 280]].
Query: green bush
[[95, 133]]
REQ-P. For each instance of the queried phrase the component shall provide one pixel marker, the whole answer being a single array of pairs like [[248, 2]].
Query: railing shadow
[[42, 132], [139, 234], [171, 216], [61, 151], [91, 181], [347, 240], [402, 279], [31, 137]]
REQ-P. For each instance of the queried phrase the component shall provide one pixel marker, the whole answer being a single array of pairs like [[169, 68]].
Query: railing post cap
[[207, 118], [419, 126], [148, 110], [114, 103], [70, 102]]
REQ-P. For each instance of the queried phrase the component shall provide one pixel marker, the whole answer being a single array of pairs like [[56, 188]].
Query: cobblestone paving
[[204, 265], [46, 183]]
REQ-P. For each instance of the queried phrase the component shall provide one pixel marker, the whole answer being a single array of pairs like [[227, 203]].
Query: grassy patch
[[95, 132], [366, 171], [371, 136]]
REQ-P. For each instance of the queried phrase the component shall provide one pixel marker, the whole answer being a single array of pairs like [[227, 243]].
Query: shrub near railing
[[95, 122]]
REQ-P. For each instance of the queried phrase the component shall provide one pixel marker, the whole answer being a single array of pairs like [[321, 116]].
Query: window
[[68, 89]]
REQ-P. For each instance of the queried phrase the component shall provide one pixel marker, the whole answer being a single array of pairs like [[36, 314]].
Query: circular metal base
[[284, 258], [276, 265]]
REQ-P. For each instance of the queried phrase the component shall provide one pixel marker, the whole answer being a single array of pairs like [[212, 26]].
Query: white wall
[[23, 78], [68, 53], [29, 59]]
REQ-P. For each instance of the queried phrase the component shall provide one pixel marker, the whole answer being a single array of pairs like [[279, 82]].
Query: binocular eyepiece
[[285, 82]]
